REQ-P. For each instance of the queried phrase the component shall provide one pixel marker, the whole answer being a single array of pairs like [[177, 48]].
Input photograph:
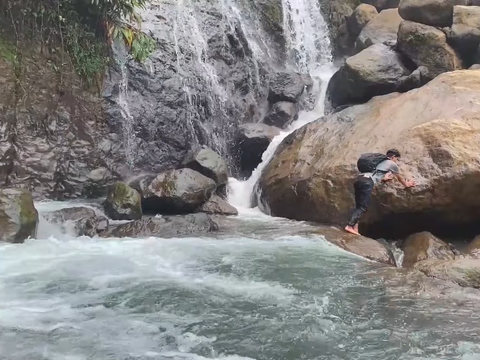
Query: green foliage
[[84, 29]]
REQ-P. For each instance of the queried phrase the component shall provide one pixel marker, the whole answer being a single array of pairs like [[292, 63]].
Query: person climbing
[[373, 167]]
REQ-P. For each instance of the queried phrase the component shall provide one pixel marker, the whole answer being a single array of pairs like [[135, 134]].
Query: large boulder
[[382, 4], [374, 71], [282, 114], [423, 246], [427, 46], [252, 141], [429, 12], [18, 216], [464, 271], [380, 30], [78, 221], [218, 206], [285, 86], [165, 227], [173, 192], [208, 163], [360, 17], [123, 202], [359, 245], [465, 32], [437, 130]]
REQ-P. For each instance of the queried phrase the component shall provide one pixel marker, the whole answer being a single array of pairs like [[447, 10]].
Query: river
[[262, 288]]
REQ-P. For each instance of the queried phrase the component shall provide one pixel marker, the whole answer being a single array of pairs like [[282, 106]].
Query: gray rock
[[18, 216], [84, 221], [465, 32], [427, 46], [382, 4], [380, 30], [217, 205], [252, 141], [281, 114], [374, 71], [285, 86], [173, 192], [208, 163], [474, 67], [423, 246], [429, 12], [360, 17], [416, 79], [165, 227], [123, 202]]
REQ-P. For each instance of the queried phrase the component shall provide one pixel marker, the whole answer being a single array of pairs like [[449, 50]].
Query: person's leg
[[363, 190]]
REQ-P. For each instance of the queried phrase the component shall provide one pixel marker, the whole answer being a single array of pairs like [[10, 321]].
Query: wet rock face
[[252, 141], [281, 114], [123, 203], [82, 220], [173, 192], [311, 175], [285, 86], [423, 246], [360, 245], [18, 216], [49, 143], [464, 272], [165, 227], [208, 163], [178, 102]]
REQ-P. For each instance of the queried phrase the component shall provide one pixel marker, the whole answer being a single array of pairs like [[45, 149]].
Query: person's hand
[[410, 183], [388, 176]]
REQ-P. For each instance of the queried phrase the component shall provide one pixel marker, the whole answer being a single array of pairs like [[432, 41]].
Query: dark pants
[[363, 191]]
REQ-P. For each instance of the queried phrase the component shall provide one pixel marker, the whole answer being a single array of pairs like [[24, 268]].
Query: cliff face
[[52, 129]]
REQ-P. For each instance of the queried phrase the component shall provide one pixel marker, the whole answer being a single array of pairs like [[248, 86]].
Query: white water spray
[[309, 46]]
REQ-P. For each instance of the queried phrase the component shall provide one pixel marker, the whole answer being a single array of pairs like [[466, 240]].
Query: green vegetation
[[82, 29]]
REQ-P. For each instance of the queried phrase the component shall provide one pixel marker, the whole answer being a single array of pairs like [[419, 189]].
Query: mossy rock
[[18, 216], [123, 202]]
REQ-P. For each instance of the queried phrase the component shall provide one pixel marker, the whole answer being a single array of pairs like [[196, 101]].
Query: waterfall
[[309, 51]]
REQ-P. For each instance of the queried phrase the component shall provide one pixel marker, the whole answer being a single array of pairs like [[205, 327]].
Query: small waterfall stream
[[309, 51]]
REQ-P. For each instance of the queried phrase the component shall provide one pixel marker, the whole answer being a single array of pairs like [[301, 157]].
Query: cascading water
[[309, 51]]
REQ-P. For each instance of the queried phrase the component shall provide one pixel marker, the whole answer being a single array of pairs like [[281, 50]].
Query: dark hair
[[393, 152]]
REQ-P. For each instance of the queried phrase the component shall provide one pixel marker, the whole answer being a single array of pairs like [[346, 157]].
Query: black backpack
[[368, 162]]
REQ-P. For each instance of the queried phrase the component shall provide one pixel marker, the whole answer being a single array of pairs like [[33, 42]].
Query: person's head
[[393, 154]]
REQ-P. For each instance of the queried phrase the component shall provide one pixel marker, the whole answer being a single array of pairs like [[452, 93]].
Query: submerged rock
[[252, 141], [360, 245], [18, 216], [217, 205], [311, 175], [123, 202], [165, 227], [429, 12], [423, 246], [374, 71], [173, 192], [427, 46], [464, 272], [380, 30], [208, 163], [82, 220]]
